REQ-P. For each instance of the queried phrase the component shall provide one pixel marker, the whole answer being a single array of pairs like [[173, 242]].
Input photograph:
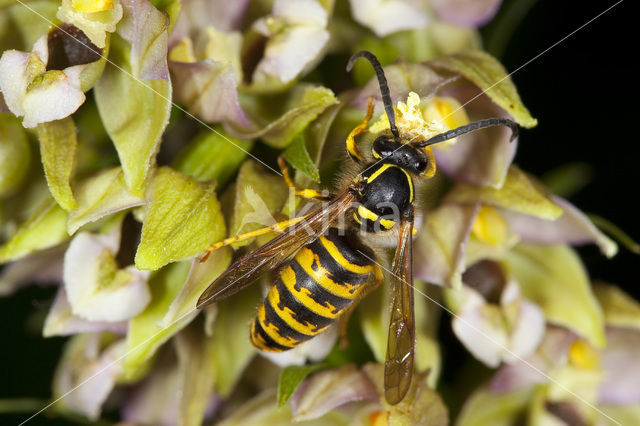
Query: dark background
[[583, 93]]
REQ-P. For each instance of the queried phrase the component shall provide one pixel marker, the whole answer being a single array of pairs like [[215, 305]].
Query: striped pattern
[[312, 291]]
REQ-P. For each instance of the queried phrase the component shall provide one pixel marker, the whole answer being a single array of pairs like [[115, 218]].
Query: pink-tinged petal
[[442, 243], [86, 375], [314, 350], [40, 267], [466, 13], [481, 329], [572, 227], [527, 333], [97, 290], [197, 15], [329, 389], [208, 89], [61, 321], [385, 17], [480, 158], [550, 355], [145, 28], [621, 368], [59, 96], [288, 54]]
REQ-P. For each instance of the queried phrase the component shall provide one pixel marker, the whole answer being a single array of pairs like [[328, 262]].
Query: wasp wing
[[398, 367], [248, 268]]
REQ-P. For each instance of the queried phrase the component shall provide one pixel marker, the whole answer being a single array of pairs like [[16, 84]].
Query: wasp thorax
[[392, 150]]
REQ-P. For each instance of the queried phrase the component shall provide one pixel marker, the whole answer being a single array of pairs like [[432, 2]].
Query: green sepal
[[520, 192], [298, 156], [489, 75], [45, 228], [145, 335], [212, 155], [135, 113], [281, 118], [259, 194], [15, 155], [554, 278], [58, 148], [182, 220], [100, 196]]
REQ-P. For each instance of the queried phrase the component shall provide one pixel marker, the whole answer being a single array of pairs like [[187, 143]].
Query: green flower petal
[[620, 309], [15, 155], [135, 114], [488, 74], [233, 349], [96, 25], [100, 196], [210, 156], [45, 228], [182, 220], [58, 147], [520, 192], [259, 195], [281, 118], [145, 334], [553, 277], [298, 156]]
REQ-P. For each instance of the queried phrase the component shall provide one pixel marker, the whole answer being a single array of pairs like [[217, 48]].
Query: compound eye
[[384, 146], [421, 164]]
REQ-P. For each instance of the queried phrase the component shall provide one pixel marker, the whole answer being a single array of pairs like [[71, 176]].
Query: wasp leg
[[275, 227], [304, 193], [352, 149], [344, 319]]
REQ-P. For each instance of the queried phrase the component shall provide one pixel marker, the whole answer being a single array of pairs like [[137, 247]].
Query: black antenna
[[476, 125], [382, 81]]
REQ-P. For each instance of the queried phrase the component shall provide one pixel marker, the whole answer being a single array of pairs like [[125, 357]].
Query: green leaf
[[15, 155], [620, 309], [182, 220], [291, 377], [211, 156], [100, 196], [520, 192], [373, 313], [22, 26], [554, 278], [298, 156], [281, 118], [490, 76], [233, 350], [134, 112], [58, 147], [145, 335], [45, 228], [259, 195]]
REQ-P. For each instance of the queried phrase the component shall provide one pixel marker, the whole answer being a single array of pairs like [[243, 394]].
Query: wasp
[[324, 270]]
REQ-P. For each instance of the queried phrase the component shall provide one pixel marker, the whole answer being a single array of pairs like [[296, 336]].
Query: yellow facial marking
[[490, 227]]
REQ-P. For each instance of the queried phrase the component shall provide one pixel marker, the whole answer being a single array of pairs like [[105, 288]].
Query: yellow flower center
[[490, 227], [89, 6], [582, 355], [447, 111], [379, 418]]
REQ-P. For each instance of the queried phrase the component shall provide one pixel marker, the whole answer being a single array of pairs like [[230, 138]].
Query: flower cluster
[[131, 137]]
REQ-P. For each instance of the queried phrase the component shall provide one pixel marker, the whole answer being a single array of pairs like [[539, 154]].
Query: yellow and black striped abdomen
[[312, 291]]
